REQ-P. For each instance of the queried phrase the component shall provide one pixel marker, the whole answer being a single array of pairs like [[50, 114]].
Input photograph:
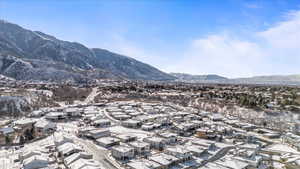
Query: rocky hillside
[[264, 80], [276, 79], [33, 55], [198, 78]]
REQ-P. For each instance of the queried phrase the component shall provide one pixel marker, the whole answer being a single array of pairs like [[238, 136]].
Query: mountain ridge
[[293, 79], [72, 60], [186, 76]]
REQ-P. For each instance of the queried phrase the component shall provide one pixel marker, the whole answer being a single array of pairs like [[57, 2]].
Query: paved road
[[221, 153], [111, 118]]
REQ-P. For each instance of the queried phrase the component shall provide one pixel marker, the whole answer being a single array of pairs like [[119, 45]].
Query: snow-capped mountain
[[33, 55]]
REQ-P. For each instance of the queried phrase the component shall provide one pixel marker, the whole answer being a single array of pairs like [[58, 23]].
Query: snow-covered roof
[[35, 162], [6, 130], [84, 164], [68, 147], [163, 159], [143, 164], [76, 156]]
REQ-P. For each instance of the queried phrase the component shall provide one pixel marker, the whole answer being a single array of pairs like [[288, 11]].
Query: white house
[[144, 164], [122, 152], [131, 123], [170, 138], [140, 147], [108, 141], [72, 158], [68, 149], [43, 127], [54, 116], [155, 142], [165, 160], [101, 123], [126, 137], [181, 152], [97, 133]]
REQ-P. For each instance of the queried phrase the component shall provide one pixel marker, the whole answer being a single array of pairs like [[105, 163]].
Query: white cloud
[[273, 51], [124, 46], [221, 54], [285, 34], [253, 5]]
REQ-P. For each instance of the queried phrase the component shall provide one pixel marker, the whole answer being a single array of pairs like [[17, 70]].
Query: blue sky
[[233, 38]]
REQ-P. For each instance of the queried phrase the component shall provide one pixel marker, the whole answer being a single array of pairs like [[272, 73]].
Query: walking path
[[91, 96]]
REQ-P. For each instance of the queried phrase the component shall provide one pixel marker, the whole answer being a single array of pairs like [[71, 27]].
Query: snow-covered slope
[[26, 54]]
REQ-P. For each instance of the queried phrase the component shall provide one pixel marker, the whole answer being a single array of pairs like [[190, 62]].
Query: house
[[169, 138], [126, 138], [143, 164], [43, 127], [232, 163], [36, 162], [7, 130], [144, 118], [24, 124], [91, 112], [185, 129], [249, 156], [6, 133], [148, 126], [84, 131], [55, 116], [101, 123], [155, 142], [140, 147], [74, 157], [122, 117], [131, 123], [202, 133], [209, 145], [122, 152], [165, 160], [216, 117], [68, 149], [37, 113], [97, 133], [73, 112], [181, 152], [272, 135], [60, 139], [107, 141], [27, 153], [84, 164], [196, 150]]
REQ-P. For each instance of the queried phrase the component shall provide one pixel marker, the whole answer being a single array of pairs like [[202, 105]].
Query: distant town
[[113, 124]]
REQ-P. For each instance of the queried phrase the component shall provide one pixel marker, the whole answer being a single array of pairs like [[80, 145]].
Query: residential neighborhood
[[134, 134]]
